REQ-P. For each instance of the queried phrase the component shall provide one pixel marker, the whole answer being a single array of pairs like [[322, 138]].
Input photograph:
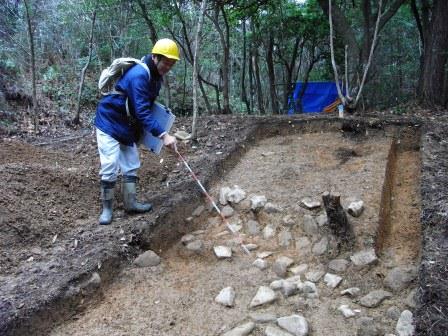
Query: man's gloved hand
[[169, 141]]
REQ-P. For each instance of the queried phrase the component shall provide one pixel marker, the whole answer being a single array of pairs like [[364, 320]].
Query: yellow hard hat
[[167, 48]]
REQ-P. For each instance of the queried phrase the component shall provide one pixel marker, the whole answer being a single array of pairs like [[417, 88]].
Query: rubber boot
[[130, 196], [107, 197]]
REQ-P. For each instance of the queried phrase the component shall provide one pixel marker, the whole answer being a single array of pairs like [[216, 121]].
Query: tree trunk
[[271, 74], [33, 64], [243, 70], [76, 119], [337, 219], [195, 68], [436, 57]]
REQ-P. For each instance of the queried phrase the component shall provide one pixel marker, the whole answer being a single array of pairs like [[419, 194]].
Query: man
[[117, 131]]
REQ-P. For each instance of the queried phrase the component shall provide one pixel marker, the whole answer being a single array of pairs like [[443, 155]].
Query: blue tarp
[[317, 96]]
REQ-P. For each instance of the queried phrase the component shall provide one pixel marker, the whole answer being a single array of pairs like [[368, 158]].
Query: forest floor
[[63, 274]]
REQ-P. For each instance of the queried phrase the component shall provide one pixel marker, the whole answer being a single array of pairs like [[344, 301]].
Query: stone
[[289, 288], [405, 325], [315, 274], [276, 284], [411, 301], [222, 252], [195, 246], [374, 298], [309, 225], [264, 254], [284, 238], [274, 331], [263, 296], [92, 283], [257, 202], [223, 195], [280, 266], [187, 238], [251, 247], [320, 247], [355, 209], [393, 313], [303, 244], [235, 195], [367, 327], [309, 203], [300, 269], [147, 259], [295, 324], [252, 227], [227, 211], [268, 231], [353, 291], [182, 135], [260, 264], [322, 219], [242, 330], [309, 289], [226, 297], [347, 312], [288, 221], [338, 265], [399, 278], [364, 258], [271, 208], [332, 280]]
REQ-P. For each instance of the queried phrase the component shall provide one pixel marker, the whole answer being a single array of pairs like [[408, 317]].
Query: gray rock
[[284, 238], [222, 252], [147, 259], [300, 269], [288, 221], [332, 280], [242, 330], [356, 208], [187, 238], [338, 265], [226, 297], [264, 254], [280, 266], [309, 203], [320, 247], [347, 311], [411, 300], [195, 246], [252, 227], [322, 219], [268, 231], [227, 211], [364, 258], [264, 295], [374, 298], [289, 288], [309, 289], [303, 245], [223, 195], [315, 274], [399, 278], [309, 225], [260, 264], [93, 283], [251, 247], [257, 202], [405, 324], [274, 331], [271, 208], [295, 324], [393, 313], [235, 195], [367, 327], [276, 284], [353, 291]]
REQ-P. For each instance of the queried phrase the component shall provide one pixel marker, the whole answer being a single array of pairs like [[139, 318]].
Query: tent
[[318, 97]]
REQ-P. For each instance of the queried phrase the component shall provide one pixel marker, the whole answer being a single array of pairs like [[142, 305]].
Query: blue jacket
[[141, 90]]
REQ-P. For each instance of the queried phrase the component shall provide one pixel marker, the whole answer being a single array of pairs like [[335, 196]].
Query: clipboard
[[165, 118]]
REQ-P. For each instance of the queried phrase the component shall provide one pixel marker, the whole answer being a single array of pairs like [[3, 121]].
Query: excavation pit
[[380, 166]]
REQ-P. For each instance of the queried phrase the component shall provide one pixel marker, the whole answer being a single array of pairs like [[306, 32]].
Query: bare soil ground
[[52, 242]]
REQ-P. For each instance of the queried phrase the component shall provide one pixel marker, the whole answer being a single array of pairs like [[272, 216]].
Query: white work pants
[[115, 156]]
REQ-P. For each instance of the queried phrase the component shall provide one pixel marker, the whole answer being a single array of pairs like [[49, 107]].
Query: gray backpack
[[119, 66]]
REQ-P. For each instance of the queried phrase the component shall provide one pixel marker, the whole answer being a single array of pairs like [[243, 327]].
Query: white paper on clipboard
[[165, 118]]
